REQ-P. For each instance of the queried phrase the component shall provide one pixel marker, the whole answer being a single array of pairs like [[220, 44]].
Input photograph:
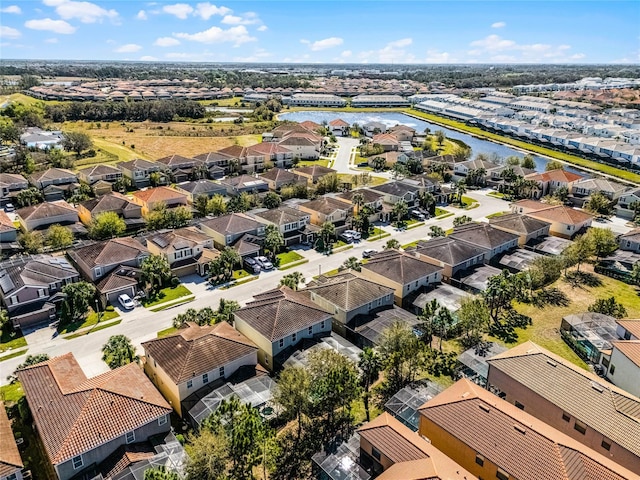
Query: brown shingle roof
[[399, 267], [448, 251], [633, 326], [158, 194], [46, 210], [518, 223], [562, 214], [630, 349], [314, 170], [348, 291], [10, 460], [111, 202], [74, 414], [525, 447], [281, 312], [195, 350], [116, 250], [120, 278], [233, 223]]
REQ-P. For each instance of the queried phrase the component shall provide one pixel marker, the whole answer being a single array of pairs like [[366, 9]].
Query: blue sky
[[323, 31]]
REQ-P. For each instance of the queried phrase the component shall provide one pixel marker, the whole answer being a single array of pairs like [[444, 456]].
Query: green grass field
[[289, 257], [11, 393], [167, 295], [91, 319], [9, 342], [96, 328], [167, 331]]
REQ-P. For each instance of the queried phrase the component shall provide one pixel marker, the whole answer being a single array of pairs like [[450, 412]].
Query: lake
[[392, 118]]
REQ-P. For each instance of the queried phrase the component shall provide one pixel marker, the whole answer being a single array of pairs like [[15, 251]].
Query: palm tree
[[118, 351], [426, 200], [635, 274], [370, 366], [292, 280], [358, 201], [461, 189], [392, 244], [352, 263], [400, 210], [156, 271], [327, 234]]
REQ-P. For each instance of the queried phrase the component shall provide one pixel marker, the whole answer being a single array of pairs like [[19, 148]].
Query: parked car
[[264, 263], [356, 235], [251, 265], [417, 215], [346, 237], [126, 302], [368, 252], [9, 207]]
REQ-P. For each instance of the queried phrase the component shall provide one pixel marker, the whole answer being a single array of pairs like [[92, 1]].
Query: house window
[[130, 437], [606, 444], [14, 300], [479, 459], [221, 372], [294, 337], [565, 417], [322, 325], [98, 271], [580, 427], [13, 476], [162, 420], [502, 475], [519, 405], [77, 462], [627, 335], [205, 378], [281, 343], [189, 383], [375, 453], [311, 330], [612, 369]]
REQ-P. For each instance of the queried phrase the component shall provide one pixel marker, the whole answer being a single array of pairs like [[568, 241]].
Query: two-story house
[[139, 171], [278, 155], [453, 256], [122, 205], [628, 204], [291, 223], [582, 189], [82, 421], [95, 173], [630, 241], [485, 236], [195, 357], [216, 162], [549, 182], [151, 197], [388, 142], [277, 320], [394, 192], [43, 215], [10, 185], [182, 168], [182, 247], [313, 173], [54, 183], [304, 146], [198, 188], [226, 230], [98, 259], [28, 288], [244, 183], [327, 209], [566, 222], [279, 177], [527, 228]]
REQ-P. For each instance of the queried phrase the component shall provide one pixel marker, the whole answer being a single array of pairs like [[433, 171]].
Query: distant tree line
[[156, 111]]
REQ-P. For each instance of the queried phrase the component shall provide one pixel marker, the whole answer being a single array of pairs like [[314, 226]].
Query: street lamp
[[98, 310], [319, 270]]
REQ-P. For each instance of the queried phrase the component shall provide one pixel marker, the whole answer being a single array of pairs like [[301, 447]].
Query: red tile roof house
[[550, 181], [387, 141], [81, 421], [10, 462], [148, 199], [338, 127], [565, 221]]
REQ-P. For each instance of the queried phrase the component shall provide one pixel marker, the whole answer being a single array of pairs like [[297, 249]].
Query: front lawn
[[238, 274], [11, 342], [91, 319], [285, 258], [495, 194], [377, 234], [167, 331], [166, 295], [11, 393], [441, 211], [374, 181], [497, 214], [306, 163]]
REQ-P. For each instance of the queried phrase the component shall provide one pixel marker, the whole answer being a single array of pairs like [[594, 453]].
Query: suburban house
[[313, 173], [371, 199], [8, 231], [226, 230], [122, 205], [630, 241], [247, 161], [327, 209], [198, 188], [216, 162], [292, 223], [82, 421], [346, 296], [43, 215], [244, 183], [465, 421], [182, 247], [278, 320], [139, 171], [451, 255], [565, 221], [485, 236], [403, 133], [277, 178], [391, 451], [151, 197], [53, 176], [35, 137], [95, 173], [98, 259], [584, 188], [625, 360], [388, 142], [124, 280], [182, 168], [10, 185], [569, 399], [277, 154], [626, 204], [404, 272], [527, 228], [29, 288], [495, 177], [393, 192], [11, 465], [338, 127], [463, 168], [390, 159], [373, 128], [194, 357], [549, 182]]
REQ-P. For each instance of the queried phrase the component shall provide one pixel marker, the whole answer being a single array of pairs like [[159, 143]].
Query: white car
[[126, 302]]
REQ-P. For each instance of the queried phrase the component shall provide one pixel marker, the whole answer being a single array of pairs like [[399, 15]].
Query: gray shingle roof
[[348, 291], [399, 267], [483, 235], [114, 251], [448, 251], [518, 223], [230, 224]]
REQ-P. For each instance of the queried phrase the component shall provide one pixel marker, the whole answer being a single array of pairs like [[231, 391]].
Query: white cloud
[[435, 56], [577, 56], [249, 18], [148, 58], [404, 42], [392, 52], [8, 32], [11, 9], [263, 28], [128, 48], [497, 49], [86, 12], [498, 25], [180, 10], [57, 26], [318, 45], [142, 15], [493, 43], [258, 55], [207, 10], [346, 54], [51, 40], [166, 42], [236, 35]]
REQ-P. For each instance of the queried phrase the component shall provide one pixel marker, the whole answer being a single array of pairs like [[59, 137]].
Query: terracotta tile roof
[[521, 224], [232, 223], [6, 225], [266, 148], [338, 122], [483, 235], [46, 210], [348, 291], [558, 175], [109, 252], [630, 349], [281, 312], [309, 125], [496, 429], [234, 151], [562, 214], [385, 139], [602, 406], [633, 326], [158, 194], [195, 350], [74, 414], [399, 267], [10, 461]]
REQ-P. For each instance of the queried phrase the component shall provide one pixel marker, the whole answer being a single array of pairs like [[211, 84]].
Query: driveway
[[343, 156]]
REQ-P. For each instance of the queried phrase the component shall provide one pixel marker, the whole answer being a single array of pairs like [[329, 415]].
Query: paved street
[[345, 145]]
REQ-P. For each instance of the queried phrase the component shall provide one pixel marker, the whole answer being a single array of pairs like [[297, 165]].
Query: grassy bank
[[563, 157]]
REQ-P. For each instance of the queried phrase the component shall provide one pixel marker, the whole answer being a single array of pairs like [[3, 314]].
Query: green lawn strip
[[8, 342], [240, 282], [342, 249], [564, 157], [306, 163], [495, 194], [330, 273], [167, 331], [289, 257], [440, 211], [95, 329], [445, 215], [497, 214], [294, 264], [238, 274], [91, 319], [415, 225], [14, 354], [11, 393], [181, 301], [412, 244], [166, 295]]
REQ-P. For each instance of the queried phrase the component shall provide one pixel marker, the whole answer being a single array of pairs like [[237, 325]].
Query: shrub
[[175, 281]]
